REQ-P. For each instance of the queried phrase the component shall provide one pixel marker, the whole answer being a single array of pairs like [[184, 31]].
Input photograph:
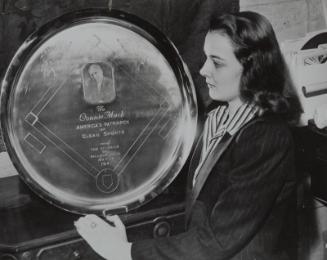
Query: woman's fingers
[[107, 240], [85, 229], [84, 232], [119, 225], [116, 221], [320, 116], [82, 223], [95, 220], [91, 225]]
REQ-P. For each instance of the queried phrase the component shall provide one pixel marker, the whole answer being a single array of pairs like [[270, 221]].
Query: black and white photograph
[[163, 129]]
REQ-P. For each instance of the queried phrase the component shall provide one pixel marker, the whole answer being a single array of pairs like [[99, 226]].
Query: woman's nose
[[204, 70]]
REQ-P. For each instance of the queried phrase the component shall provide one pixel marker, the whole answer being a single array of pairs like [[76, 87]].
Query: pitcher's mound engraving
[[107, 181]]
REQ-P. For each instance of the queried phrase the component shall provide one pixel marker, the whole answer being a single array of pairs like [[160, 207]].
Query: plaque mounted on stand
[[98, 112]]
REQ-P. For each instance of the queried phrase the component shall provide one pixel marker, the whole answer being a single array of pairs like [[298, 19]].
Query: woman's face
[[221, 69]]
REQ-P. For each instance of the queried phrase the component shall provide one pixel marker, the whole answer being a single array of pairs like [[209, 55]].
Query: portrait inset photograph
[[98, 83]]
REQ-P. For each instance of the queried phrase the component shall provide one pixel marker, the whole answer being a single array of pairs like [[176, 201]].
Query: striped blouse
[[218, 123]]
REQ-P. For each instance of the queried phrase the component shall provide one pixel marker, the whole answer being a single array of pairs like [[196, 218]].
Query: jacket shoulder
[[272, 126]]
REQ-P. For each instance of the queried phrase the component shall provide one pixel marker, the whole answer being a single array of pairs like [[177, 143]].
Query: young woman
[[242, 199]]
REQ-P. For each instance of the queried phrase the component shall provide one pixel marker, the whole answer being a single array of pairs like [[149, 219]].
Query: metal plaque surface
[[98, 112]]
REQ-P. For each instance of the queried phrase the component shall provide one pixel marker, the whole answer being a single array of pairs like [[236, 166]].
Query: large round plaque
[[98, 111]]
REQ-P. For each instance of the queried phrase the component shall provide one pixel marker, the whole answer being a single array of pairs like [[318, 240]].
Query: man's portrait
[[98, 83]]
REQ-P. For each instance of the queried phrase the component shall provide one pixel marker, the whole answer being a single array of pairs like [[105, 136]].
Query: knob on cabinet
[[161, 229]]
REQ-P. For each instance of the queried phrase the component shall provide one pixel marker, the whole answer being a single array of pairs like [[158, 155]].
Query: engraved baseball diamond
[[106, 177]]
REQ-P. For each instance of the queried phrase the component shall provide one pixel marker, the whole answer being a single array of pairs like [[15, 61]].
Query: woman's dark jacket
[[246, 208]]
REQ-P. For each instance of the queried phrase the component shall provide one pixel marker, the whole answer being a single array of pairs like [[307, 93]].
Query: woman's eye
[[217, 64]]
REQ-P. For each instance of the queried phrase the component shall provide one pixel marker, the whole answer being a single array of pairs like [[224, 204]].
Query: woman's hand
[[109, 241], [320, 116]]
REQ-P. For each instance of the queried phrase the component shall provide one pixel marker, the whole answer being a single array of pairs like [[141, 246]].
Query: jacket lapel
[[209, 163], [194, 162], [204, 171]]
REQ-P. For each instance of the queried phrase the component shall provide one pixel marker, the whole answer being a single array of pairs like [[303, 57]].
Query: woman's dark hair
[[265, 80]]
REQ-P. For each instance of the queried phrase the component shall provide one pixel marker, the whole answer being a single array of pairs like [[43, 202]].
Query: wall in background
[[291, 18]]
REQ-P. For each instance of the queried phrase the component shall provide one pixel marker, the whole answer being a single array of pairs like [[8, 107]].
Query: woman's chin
[[216, 97]]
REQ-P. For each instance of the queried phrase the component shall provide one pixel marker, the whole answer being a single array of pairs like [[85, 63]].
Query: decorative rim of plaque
[[152, 186]]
